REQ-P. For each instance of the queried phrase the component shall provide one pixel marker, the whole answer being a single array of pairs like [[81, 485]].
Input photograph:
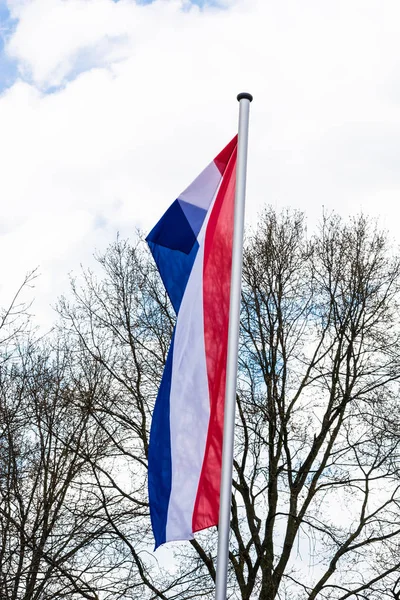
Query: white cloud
[[147, 98], [52, 36], [55, 39]]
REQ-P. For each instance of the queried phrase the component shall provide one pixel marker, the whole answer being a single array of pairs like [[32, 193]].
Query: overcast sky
[[108, 109]]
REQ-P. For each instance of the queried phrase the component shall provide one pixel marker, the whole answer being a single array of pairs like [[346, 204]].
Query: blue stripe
[[174, 268], [160, 465], [173, 230], [174, 246]]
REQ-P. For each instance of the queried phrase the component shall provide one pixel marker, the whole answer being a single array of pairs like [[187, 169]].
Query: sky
[[109, 109]]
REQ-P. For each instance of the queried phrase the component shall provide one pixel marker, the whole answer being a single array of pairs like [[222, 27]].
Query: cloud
[[118, 106], [55, 40]]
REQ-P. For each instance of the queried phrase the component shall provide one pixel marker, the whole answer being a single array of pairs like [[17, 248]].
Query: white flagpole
[[233, 347]]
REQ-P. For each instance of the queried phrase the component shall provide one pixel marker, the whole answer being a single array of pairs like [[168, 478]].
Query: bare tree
[[56, 538], [320, 365]]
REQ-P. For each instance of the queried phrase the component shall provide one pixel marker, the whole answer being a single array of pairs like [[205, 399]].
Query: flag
[[192, 247]]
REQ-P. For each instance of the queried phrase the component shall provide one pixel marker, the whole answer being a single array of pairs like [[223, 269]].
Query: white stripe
[[202, 191], [189, 405]]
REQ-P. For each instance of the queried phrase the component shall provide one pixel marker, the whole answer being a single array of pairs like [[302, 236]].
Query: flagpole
[[244, 100]]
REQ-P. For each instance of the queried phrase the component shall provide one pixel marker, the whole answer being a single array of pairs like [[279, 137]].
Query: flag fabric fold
[[192, 247]]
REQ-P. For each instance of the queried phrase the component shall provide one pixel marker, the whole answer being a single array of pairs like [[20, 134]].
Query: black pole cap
[[244, 96]]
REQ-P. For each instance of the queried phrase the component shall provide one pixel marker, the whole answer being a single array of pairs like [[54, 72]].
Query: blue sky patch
[[138, 1], [200, 3], [8, 66]]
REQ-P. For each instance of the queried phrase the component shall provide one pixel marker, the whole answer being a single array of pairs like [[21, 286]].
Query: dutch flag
[[192, 246]]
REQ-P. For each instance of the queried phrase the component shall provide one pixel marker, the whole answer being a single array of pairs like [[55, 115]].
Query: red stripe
[[216, 289], [223, 157]]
